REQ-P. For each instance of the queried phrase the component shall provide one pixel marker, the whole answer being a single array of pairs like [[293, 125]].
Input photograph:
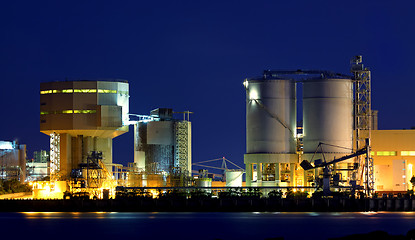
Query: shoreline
[[208, 205]]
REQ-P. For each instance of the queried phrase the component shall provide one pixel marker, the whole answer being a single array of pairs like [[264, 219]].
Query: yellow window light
[[67, 91], [67, 111], [407, 153], [387, 153], [46, 92], [106, 91]]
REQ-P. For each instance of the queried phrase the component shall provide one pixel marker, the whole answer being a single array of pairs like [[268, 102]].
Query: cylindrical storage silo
[[328, 115], [203, 182], [234, 177], [154, 146], [270, 116]]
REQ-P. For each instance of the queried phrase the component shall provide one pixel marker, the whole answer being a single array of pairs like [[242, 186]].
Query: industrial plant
[[82, 118], [275, 148], [334, 146], [307, 130]]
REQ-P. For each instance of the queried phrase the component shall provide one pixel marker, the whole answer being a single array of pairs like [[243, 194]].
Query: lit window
[[407, 153], [46, 92], [82, 91], [387, 153], [68, 112], [106, 91]]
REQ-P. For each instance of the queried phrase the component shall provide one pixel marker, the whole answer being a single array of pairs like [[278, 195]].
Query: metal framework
[[96, 174], [181, 138], [55, 158], [363, 120]]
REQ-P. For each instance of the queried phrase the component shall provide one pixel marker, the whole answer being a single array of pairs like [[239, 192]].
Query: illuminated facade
[[82, 117], [273, 147], [163, 144], [393, 152]]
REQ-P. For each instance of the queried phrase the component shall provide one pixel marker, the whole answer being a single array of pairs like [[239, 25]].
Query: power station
[[304, 129], [82, 117]]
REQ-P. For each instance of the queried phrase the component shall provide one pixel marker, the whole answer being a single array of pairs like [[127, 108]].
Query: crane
[[306, 165]]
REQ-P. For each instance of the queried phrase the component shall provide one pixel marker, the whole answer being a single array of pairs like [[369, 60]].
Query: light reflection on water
[[254, 225]]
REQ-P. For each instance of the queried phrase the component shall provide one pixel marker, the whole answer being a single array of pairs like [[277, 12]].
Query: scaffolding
[[181, 151], [363, 121], [54, 156]]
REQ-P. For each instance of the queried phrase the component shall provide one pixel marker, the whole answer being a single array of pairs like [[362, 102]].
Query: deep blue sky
[[193, 55]]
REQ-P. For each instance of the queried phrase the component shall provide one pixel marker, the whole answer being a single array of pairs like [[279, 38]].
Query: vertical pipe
[[248, 174], [259, 174], [292, 171], [277, 174]]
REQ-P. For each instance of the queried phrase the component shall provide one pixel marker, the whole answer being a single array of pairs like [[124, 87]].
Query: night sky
[[194, 55]]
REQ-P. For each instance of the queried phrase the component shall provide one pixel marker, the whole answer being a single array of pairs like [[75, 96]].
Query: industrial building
[[274, 149], [38, 167], [82, 117], [12, 160], [162, 146], [335, 144], [336, 120], [393, 152]]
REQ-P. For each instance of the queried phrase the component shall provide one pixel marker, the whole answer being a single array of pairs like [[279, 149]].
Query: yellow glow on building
[[407, 153], [48, 190], [70, 111], [387, 153], [55, 91], [46, 92]]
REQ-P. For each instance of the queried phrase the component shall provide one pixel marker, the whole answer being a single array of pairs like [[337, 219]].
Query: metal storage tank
[[270, 113], [163, 143], [156, 143], [234, 177], [328, 115], [203, 182]]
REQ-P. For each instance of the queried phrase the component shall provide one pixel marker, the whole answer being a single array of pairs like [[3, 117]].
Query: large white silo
[[328, 115], [270, 116]]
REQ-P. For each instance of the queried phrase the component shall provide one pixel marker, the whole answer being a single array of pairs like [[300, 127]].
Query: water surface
[[203, 225]]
